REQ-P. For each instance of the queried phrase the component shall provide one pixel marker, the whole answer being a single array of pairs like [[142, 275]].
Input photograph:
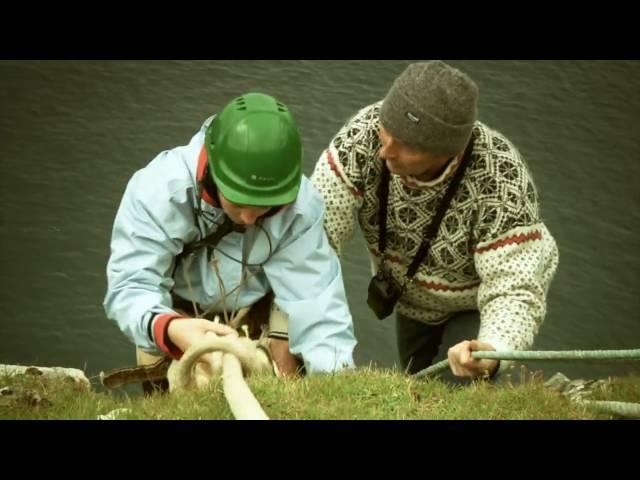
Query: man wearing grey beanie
[[450, 215]]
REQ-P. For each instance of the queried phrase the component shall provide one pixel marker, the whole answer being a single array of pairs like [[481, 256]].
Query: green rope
[[622, 409], [532, 355], [625, 409], [433, 369]]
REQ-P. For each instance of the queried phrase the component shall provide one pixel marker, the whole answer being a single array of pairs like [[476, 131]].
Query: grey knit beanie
[[431, 106]]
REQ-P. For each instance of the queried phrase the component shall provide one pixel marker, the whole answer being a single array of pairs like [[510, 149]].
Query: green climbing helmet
[[254, 152]]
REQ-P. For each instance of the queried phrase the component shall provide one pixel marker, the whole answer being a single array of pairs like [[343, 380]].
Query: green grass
[[362, 394]]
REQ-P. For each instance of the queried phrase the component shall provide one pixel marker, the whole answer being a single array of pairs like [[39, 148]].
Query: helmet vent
[[281, 107], [240, 104]]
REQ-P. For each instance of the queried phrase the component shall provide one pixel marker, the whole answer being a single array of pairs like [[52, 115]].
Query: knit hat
[[432, 107]]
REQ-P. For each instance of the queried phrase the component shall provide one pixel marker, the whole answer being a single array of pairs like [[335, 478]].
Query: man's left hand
[[287, 363]]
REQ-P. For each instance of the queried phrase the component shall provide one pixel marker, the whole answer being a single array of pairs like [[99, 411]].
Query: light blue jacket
[[161, 211]]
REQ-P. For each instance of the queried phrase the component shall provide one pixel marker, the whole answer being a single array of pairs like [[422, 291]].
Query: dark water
[[72, 133]]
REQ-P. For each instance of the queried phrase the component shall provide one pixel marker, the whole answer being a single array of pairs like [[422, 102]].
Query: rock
[[573, 389], [72, 374], [578, 390], [558, 382], [23, 396], [114, 414]]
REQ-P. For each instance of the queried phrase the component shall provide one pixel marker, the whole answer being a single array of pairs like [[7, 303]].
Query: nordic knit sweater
[[492, 253]]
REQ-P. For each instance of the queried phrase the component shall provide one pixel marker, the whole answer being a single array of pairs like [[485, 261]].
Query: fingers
[[465, 359], [204, 326], [219, 328], [184, 332], [477, 345], [459, 356], [462, 364], [288, 364]]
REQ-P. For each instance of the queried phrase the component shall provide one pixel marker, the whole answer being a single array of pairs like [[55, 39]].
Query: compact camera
[[383, 295]]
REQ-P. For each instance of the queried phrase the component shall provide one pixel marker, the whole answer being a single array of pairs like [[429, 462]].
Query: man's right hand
[[184, 332], [464, 365]]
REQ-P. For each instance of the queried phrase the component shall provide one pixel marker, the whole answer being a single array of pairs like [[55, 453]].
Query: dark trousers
[[420, 345]]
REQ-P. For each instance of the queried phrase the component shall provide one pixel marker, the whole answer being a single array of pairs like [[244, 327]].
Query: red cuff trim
[[160, 328]]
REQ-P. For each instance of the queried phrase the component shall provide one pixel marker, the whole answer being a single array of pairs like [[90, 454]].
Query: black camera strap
[[432, 229]]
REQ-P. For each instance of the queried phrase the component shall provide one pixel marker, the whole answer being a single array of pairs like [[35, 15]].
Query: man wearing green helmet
[[219, 225]]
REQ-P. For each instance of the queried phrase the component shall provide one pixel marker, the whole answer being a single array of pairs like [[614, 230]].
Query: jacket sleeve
[[307, 282], [152, 224]]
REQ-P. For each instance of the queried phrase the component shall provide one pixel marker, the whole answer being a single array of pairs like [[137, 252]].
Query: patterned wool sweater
[[492, 252]]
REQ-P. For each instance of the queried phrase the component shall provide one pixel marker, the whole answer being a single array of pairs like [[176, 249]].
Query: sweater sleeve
[[340, 173]]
